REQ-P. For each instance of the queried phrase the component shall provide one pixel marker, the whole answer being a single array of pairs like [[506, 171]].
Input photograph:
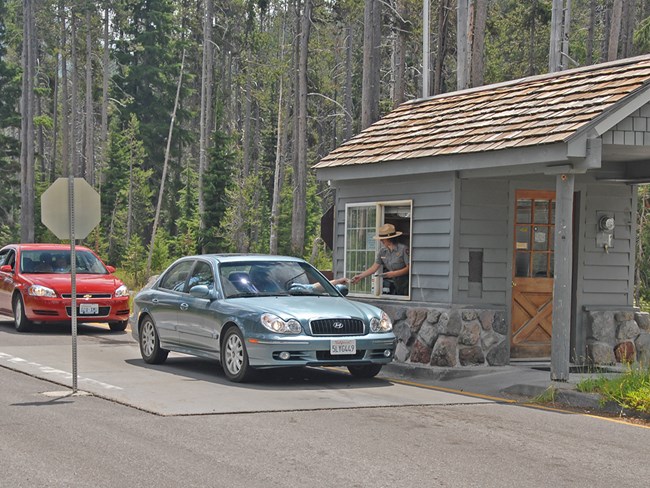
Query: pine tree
[[9, 147], [221, 162]]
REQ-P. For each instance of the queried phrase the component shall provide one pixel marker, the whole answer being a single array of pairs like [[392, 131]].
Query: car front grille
[[336, 327], [88, 295]]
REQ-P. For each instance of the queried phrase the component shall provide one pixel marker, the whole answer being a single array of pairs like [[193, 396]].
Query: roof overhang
[[543, 159]]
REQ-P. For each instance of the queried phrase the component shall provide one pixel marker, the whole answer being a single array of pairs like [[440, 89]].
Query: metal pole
[[560, 353], [73, 282]]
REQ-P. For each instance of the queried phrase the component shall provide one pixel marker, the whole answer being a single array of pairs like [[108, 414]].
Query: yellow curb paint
[[506, 400]]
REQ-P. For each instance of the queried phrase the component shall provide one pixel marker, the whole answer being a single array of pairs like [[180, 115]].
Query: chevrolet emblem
[[87, 296]]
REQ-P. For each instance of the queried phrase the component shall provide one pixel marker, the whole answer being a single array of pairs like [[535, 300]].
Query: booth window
[[361, 223]]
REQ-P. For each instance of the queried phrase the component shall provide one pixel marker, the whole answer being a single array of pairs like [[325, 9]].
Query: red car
[[35, 286]]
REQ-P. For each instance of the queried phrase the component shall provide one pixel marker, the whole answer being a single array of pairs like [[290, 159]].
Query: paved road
[[110, 366], [318, 428]]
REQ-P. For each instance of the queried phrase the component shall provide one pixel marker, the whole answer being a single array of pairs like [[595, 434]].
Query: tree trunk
[[65, 108], [629, 14], [462, 53], [443, 24], [614, 30], [105, 74], [348, 82], [566, 33], [76, 171], [399, 53], [90, 150], [478, 43], [278, 173], [165, 164], [27, 126], [590, 32], [300, 191], [206, 112], [555, 45], [371, 64], [246, 138], [55, 123]]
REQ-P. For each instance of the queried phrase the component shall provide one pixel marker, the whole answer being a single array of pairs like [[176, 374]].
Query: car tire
[[234, 357], [365, 370], [150, 348], [118, 326], [22, 323]]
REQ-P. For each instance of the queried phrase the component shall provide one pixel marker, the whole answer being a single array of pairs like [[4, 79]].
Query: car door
[[166, 301], [7, 256], [197, 325]]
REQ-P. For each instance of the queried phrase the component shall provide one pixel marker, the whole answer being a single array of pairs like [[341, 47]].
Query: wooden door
[[532, 280]]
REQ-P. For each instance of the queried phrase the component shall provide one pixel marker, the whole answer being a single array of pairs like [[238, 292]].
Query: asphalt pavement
[[520, 381]]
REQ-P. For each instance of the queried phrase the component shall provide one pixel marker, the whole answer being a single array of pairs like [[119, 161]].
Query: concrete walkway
[[521, 381]]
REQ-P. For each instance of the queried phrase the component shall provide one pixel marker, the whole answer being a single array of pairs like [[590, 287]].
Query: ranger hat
[[387, 231]]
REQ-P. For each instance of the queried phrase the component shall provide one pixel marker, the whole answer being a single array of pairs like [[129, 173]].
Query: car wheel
[[234, 357], [20, 320], [365, 371], [150, 348], [118, 326]]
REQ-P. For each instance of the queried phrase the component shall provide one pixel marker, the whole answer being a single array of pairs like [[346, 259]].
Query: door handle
[[184, 306]]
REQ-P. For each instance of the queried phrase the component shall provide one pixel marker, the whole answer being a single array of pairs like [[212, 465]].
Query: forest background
[[198, 121]]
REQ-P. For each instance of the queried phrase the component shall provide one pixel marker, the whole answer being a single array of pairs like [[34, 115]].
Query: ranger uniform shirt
[[393, 259]]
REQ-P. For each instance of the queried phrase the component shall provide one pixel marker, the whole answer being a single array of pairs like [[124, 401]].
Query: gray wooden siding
[[431, 227], [607, 276], [484, 205], [634, 130]]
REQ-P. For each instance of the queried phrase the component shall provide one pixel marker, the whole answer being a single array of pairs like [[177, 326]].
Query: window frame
[[380, 216]]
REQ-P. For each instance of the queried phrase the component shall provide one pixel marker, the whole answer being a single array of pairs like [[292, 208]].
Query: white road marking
[[57, 373]]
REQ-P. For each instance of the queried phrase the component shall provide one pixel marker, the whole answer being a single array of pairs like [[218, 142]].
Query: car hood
[[307, 307], [61, 283]]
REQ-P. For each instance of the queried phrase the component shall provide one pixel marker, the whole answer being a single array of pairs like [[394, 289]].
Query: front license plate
[[343, 346], [88, 309]]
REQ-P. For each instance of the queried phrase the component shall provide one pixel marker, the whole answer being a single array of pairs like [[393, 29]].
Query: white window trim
[[379, 220]]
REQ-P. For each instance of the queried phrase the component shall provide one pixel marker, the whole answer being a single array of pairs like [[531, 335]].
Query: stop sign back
[[55, 208]]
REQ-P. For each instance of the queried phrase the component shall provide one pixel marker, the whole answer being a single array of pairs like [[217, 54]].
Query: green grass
[[548, 396], [630, 390]]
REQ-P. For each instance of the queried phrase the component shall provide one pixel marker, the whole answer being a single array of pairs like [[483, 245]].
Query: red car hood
[[86, 283]]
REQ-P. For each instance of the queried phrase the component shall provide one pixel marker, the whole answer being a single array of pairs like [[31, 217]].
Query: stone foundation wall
[[449, 337], [618, 337]]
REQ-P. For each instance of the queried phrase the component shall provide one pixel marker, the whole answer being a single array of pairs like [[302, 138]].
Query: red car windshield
[[49, 261]]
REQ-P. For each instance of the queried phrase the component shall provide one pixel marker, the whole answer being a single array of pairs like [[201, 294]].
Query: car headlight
[[41, 291], [276, 324], [122, 291], [382, 324]]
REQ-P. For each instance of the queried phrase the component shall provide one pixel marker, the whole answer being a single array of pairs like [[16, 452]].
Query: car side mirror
[[201, 291], [342, 289], [6, 268], [111, 269]]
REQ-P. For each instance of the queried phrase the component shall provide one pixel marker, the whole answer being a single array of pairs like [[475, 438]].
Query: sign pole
[[71, 223], [73, 282]]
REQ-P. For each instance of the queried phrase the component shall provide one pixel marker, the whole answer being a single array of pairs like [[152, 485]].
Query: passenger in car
[[45, 263]]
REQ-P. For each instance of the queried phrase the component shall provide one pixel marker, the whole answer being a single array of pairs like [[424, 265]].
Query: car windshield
[[272, 278], [58, 262]]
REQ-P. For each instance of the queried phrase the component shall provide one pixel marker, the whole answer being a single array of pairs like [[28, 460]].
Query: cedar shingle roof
[[527, 112]]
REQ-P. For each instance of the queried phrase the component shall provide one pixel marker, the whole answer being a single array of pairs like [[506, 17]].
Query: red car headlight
[[41, 291], [122, 291]]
